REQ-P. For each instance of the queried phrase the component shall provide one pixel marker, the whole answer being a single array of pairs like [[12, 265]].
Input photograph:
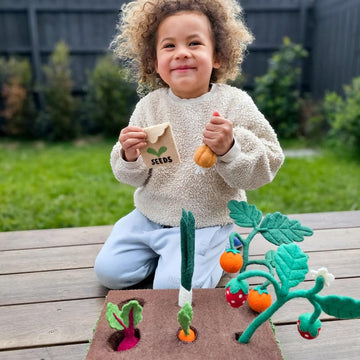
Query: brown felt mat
[[215, 321]]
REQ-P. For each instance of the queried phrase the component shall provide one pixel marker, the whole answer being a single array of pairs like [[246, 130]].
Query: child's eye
[[195, 43], [167, 46]]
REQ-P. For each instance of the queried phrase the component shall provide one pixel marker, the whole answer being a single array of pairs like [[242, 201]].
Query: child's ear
[[156, 65], [216, 63]]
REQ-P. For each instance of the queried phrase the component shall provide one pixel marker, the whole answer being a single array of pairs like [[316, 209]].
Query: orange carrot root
[[188, 338]]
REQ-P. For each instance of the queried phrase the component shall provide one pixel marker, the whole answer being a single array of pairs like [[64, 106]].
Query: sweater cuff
[[232, 154], [132, 164]]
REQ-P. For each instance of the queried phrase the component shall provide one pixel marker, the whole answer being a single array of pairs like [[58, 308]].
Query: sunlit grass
[[65, 185]]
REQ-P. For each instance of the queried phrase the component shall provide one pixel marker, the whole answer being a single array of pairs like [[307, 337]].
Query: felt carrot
[[185, 316]]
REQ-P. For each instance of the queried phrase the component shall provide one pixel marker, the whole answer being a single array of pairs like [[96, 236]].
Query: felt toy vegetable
[[125, 319], [259, 299], [231, 259], [308, 328], [237, 293], [185, 316], [203, 155], [187, 238]]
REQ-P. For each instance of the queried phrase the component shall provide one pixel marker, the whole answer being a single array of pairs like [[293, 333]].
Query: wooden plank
[[59, 258], [50, 286], [290, 312], [68, 257], [322, 240], [337, 340], [329, 220], [73, 352], [342, 264], [49, 323], [29, 239], [34, 239]]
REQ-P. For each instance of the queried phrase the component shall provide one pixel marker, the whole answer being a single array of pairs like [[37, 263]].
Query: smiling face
[[185, 53]]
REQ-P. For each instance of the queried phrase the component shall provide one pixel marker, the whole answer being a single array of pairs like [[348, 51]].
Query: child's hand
[[218, 134], [132, 139]]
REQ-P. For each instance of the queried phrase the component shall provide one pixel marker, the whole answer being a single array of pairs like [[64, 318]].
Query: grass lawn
[[65, 185]]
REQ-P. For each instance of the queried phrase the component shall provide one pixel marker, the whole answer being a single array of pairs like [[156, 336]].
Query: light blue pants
[[137, 247]]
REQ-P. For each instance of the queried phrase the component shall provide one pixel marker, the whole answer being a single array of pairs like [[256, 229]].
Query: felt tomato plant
[[290, 264]]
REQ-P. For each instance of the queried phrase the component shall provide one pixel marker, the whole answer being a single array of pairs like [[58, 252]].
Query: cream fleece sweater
[[162, 192]]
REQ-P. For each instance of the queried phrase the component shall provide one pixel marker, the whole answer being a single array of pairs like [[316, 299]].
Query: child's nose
[[182, 52]]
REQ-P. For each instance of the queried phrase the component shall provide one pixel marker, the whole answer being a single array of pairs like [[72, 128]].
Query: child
[[184, 51]]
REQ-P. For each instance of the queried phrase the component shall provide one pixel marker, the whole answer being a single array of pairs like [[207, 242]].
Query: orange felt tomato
[[231, 261], [259, 300]]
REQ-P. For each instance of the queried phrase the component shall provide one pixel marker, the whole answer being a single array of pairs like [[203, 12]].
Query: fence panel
[[328, 29], [336, 56]]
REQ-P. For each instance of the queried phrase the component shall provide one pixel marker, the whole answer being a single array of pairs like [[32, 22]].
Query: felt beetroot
[[125, 320]]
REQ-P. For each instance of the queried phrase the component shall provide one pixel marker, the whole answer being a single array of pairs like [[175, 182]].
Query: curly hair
[[135, 42]]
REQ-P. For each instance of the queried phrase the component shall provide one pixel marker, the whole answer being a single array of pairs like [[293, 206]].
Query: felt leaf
[[112, 309], [270, 257], [236, 285], [124, 314], [291, 266], [185, 316], [243, 214], [279, 229], [137, 313], [187, 237], [342, 307]]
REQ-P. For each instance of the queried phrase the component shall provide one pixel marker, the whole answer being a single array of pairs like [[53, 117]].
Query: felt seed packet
[[161, 147]]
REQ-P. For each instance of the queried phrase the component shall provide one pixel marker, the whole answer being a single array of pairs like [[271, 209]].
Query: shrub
[[110, 99], [18, 108], [277, 92], [343, 115], [57, 121]]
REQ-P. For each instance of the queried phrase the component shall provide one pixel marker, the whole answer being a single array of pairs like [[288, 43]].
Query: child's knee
[[107, 275]]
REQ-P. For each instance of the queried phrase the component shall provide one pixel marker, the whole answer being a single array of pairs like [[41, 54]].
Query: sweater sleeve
[[256, 156], [134, 173]]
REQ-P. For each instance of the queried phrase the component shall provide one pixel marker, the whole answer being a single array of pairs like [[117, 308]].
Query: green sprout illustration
[[157, 153]]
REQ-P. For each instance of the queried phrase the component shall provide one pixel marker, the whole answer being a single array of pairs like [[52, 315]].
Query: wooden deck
[[50, 298]]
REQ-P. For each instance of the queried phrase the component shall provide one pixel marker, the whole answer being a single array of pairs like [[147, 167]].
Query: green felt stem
[[264, 263], [246, 245], [281, 299]]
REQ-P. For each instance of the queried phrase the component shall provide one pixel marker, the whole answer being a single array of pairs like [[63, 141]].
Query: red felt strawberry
[[307, 329], [236, 300], [236, 292]]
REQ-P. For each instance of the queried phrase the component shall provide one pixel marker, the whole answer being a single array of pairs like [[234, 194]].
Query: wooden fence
[[328, 29]]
